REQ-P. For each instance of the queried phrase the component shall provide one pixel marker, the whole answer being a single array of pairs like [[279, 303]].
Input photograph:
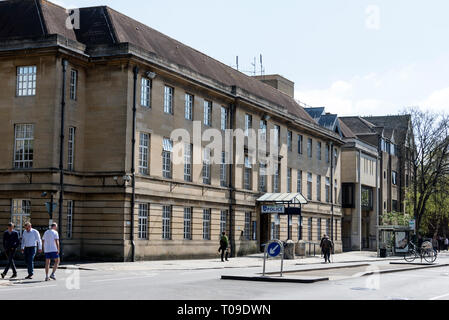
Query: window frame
[[21, 80], [169, 97]]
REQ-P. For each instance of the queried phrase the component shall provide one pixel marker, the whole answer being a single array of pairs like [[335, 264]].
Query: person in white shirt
[[30, 240], [50, 242]]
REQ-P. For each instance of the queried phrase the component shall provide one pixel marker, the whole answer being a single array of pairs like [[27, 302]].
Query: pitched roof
[[398, 124], [359, 125], [345, 130]]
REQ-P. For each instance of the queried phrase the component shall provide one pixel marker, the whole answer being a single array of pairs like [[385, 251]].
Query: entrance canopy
[[283, 198]]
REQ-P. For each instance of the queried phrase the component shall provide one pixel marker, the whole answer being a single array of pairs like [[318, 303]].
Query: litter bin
[[383, 253], [289, 250]]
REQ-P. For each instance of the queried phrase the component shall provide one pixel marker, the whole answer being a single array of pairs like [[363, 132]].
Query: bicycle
[[426, 252]]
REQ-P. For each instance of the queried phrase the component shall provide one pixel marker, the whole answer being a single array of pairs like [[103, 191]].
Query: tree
[[429, 161]]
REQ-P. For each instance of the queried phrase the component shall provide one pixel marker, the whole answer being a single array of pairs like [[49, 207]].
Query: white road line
[[440, 297], [25, 288], [119, 279]]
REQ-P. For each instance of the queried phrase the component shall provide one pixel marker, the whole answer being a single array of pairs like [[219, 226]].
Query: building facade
[[112, 91]]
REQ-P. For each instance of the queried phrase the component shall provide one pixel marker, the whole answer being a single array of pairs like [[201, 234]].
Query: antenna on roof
[[262, 69], [237, 62], [254, 66]]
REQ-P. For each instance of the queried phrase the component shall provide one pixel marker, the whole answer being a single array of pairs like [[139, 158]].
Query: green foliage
[[396, 219]]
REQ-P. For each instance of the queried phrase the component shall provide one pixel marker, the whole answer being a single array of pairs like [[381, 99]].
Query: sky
[[354, 57]]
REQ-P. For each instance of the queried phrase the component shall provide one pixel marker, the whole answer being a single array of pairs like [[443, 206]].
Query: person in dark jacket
[[10, 244], [326, 247], [224, 244]]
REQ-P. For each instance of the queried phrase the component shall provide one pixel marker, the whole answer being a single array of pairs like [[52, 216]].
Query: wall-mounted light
[[125, 179], [151, 75], [266, 117]]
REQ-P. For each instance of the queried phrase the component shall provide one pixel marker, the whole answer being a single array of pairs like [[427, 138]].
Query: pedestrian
[[435, 244], [30, 240], [224, 244], [50, 243], [326, 248], [10, 244], [446, 243]]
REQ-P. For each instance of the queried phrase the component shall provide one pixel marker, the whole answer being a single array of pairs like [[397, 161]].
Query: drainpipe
[[61, 155], [231, 184], [133, 169], [332, 190]]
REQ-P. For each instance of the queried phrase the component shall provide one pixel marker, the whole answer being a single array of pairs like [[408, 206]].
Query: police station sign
[[273, 209]]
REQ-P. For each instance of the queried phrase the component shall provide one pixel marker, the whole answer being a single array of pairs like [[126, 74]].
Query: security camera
[[150, 74]]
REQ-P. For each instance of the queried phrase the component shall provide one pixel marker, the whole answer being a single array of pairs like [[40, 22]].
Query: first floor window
[[207, 113], [248, 174], [289, 180], [289, 140], [166, 222], [26, 81], [73, 84], [276, 179], [71, 149], [188, 223], [309, 186], [206, 224], [223, 170], [69, 219], [20, 213], [328, 189], [166, 158], [189, 106], [143, 221], [309, 228], [206, 166], [224, 118], [145, 93], [144, 147], [188, 162], [318, 188], [168, 99], [262, 177], [299, 182], [328, 227], [319, 228], [23, 146]]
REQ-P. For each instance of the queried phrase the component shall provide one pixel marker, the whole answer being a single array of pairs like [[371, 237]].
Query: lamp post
[[50, 206]]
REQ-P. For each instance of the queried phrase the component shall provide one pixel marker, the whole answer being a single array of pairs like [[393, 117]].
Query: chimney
[[278, 82]]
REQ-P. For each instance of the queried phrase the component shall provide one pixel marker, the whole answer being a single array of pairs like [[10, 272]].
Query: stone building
[[111, 91]]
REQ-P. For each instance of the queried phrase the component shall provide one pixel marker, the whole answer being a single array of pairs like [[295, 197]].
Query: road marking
[[440, 297], [24, 288], [119, 279]]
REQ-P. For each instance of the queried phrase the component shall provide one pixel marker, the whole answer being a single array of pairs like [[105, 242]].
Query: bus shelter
[[393, 240]]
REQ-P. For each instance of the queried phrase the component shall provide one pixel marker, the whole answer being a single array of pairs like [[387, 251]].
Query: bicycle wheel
[[411, 256], [430, 256]]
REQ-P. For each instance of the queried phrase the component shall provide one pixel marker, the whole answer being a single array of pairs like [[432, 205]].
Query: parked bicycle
[[426, 252]]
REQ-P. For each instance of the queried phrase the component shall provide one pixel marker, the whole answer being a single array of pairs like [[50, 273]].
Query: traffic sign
[[49, 209], [412, 224], [274, 249]]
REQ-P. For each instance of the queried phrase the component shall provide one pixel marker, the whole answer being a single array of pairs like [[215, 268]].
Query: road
[[424, 284]]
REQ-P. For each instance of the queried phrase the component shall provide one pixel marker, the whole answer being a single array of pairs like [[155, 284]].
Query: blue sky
[[352, 56]]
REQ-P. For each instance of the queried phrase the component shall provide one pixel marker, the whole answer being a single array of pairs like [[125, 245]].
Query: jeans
[[327, 255], [29, 254], [10, 255], [223, 251]]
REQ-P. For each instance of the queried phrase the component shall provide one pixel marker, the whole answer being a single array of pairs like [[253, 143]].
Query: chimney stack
[[278, 82]]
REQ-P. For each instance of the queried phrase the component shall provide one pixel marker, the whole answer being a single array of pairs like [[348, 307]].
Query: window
[[166, 158], [248, 174], [309, 148], [328, 227], [206, 166], [348, 195], [224, 118], [247, 230], [144, 145], [189, 106], [327, 153], [168, 99], [367, 199], [188, 162], [71, 149], [263, 130], [276, 179], [299, 182], [166, 222], [223, 221], [20, 213], [143, 221], [248, 124], [277, 135], [262, 177], [289, 140], [394, 177], [73, 84], [300, 144], [328, 190], [300, 228], [309, 186], [336, 230], [318, 188], [335, 158], [289, 180], [318, 151], [276, 228], [336, 191], [26, 81], [319, 228], [223, 170], [69, 219], [254, 231], [395, 205], [188, 223], [207, 113], [206, 224], [309, 228], [23, 148], [145, 93]]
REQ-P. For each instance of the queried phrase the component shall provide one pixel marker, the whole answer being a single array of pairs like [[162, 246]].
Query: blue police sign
[[274, 249]]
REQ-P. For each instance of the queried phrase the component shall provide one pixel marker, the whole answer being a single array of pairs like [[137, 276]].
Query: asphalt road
[[424, 284]]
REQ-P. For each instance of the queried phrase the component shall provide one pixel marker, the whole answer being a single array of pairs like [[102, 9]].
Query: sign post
[[273, 249]]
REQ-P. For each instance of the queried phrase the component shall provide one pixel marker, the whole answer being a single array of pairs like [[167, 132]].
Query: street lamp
[[50, 205]]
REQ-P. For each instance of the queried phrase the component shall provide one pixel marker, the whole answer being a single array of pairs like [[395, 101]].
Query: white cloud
[[436, 101]]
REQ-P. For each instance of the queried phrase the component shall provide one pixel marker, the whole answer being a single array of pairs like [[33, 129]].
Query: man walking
[[326, 247], [50, 242], [224, 244], [10, 244], [30, 240]]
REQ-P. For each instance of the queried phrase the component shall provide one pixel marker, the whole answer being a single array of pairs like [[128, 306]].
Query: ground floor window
[[188, 223], [309, 228], [223, 221], [143, 221], [206, 224], [247, 231], [319, 228], [276, 228], [299, 228], [70, 219], [166, 222], [20, 213]]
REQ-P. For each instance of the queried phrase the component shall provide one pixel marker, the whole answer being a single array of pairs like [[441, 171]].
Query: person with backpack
[[326, 248], [224, 244]]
